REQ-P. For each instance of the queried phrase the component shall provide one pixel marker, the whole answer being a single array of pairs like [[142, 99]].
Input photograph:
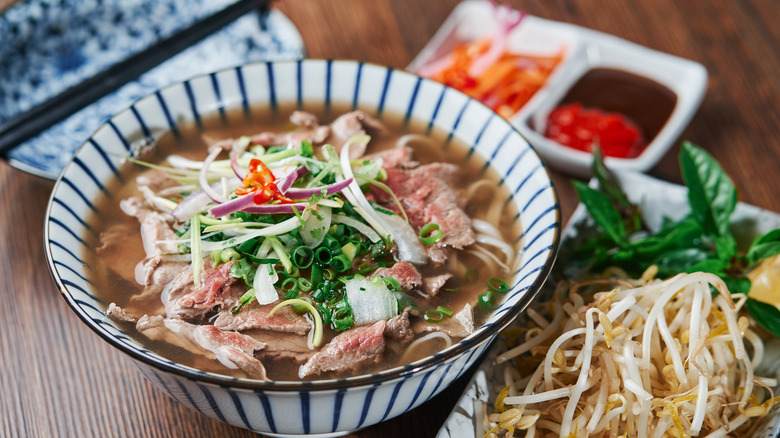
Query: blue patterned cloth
[[50, 45]]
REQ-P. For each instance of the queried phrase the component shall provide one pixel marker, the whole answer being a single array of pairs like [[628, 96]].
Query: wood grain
[[58, 379]]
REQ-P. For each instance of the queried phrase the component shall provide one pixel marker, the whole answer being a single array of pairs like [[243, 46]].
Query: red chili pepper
[[283, 199], [258, 177], [265, 194], [580, 128]]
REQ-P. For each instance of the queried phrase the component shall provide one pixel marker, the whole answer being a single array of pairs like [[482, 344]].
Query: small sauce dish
[[656, 91]]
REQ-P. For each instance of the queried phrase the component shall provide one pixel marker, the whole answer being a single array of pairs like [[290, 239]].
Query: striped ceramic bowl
[[288, 408]]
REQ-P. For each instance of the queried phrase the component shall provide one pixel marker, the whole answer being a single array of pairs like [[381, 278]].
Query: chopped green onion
[[430, 233], [323, 256], [438, 315], [498, 285], [197, 260], [342, 316], [302, 257], [326, 312], [208, 220], [316, 339], [289, 284], [349, 250], [329, 274], [244, 300], [228, 254], [391, 283], [341, 263], [281, 252], [485, 300], [304, 285]]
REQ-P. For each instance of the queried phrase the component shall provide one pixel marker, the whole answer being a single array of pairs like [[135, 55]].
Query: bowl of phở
[[279, 236]]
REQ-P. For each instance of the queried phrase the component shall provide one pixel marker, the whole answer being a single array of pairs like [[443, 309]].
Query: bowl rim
[[398, 372]]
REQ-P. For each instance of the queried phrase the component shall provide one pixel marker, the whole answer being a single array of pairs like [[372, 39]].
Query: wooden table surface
[[57, 378]]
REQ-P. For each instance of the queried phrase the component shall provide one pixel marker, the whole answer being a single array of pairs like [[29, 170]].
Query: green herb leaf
[[764, 246], [766, 315], [711, 194], [244, 270], [603, 212]]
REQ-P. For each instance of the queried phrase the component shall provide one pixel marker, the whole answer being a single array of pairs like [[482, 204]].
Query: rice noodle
[[662, 358], [429, 337]]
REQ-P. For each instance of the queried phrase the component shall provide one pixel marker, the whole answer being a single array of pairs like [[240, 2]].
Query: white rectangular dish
[[585, 50], [657, 199]]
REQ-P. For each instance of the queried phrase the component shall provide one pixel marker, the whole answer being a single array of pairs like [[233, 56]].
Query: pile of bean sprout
[[645, 358]]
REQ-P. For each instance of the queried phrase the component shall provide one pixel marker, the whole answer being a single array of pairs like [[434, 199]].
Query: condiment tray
[[584, 50], [657, 199]]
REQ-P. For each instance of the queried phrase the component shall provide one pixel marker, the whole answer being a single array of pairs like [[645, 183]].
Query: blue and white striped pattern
[[286, 407]]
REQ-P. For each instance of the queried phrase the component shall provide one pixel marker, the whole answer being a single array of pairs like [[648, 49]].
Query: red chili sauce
[[620, 111]]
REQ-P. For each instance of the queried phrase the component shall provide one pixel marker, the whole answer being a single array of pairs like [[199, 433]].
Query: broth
[[115, 264]]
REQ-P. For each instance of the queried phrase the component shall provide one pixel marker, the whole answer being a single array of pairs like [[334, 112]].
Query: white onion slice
[[263, 284], [316, 226], [370, 300]]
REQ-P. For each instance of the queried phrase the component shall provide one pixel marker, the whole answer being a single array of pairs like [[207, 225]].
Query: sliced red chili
[[265, 194]]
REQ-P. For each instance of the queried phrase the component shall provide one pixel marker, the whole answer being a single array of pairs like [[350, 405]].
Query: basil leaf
[[726, 246], [673, 262], [711, 193], [603, 212], [713, 266], [738, 285], [766, 315], [764, 246], [686, 233]]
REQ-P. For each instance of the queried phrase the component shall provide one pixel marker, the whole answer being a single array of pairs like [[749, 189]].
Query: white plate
[[657, 199], [585, 50]]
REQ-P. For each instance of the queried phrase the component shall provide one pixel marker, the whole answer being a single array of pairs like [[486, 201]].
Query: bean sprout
[[650, 358]]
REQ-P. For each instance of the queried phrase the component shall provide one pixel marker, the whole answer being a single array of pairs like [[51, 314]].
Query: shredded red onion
[[238, 170], [298, 193], [233, 205], [283, 184], [507, 20]]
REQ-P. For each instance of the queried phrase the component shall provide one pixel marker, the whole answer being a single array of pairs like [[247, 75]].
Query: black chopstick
[[30, 123]]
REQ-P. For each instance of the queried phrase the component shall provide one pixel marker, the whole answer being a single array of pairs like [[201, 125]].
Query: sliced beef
[[215, 291], [351, 124], [432, 285], [356, 123], [284, 346], [407, 276], [304, 119], [154, 227], [285, 320], [395, 158], [119, 314], [427, 195], [154, 274], [459, 325], [399, 328], [349, 351], [233, 350], [155, 271]]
